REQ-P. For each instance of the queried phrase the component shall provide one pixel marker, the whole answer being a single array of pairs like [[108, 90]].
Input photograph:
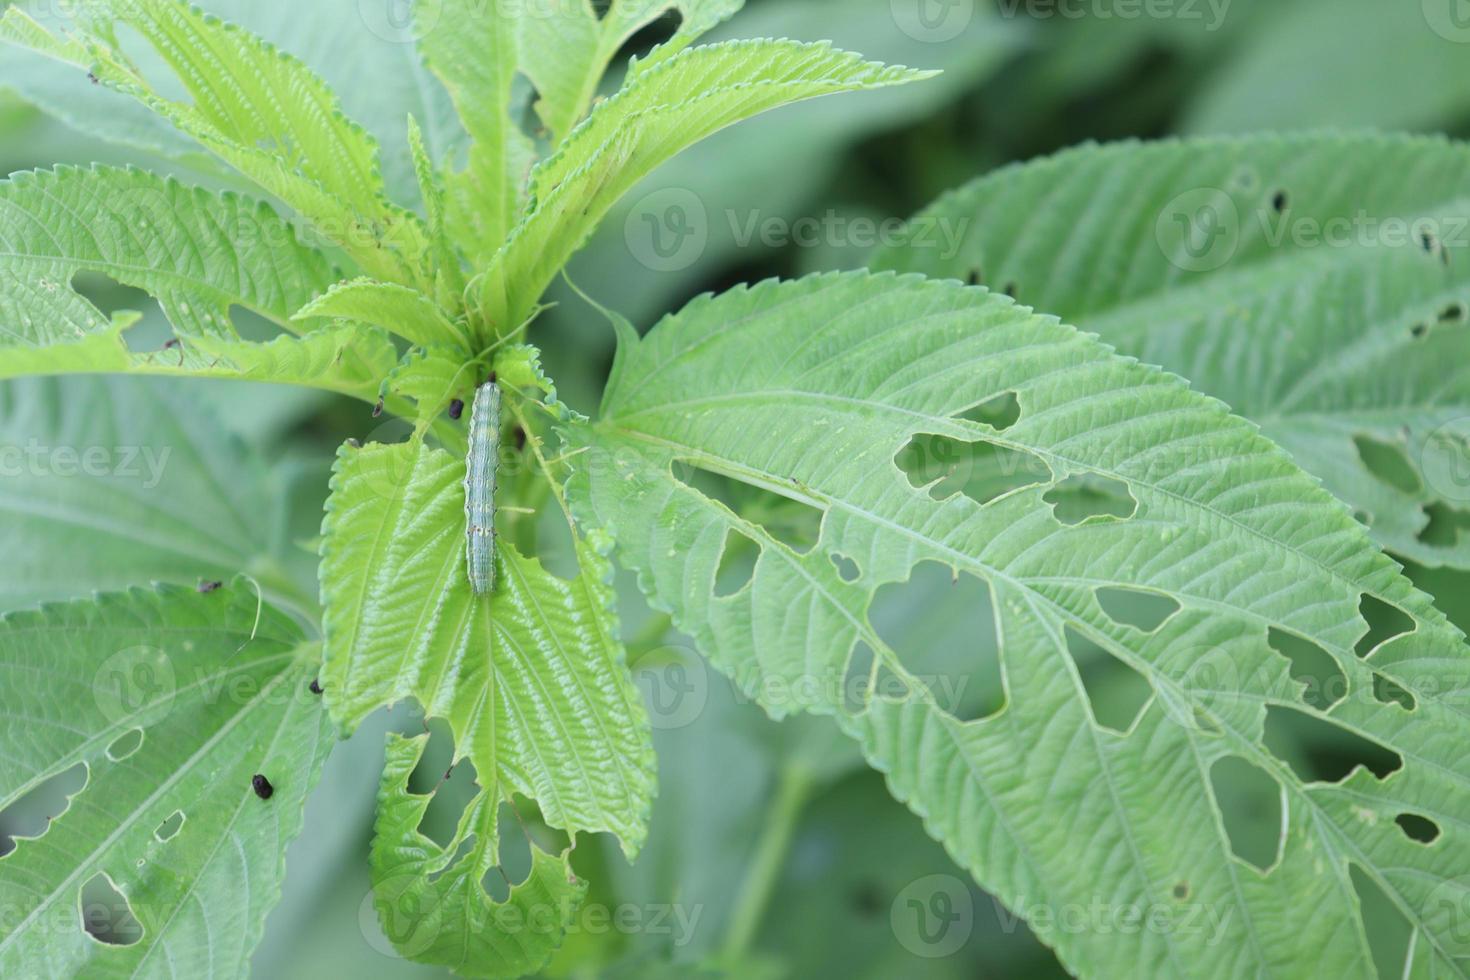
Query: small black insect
[[456, 408], [207, 587], [92, 77], [316, 687], [518, 434], [176, 342], [378, 408], [262, 786]]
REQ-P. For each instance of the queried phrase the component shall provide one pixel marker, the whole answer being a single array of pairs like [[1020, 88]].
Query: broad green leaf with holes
[[173, 701], [662, 110], [199, 253], [472, 48], [812, 390], [1320, 285], [430, 898], [259, 110], [567, 48], [531, 678]]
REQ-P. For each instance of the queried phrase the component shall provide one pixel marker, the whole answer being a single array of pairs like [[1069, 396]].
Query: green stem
[[793, 790]]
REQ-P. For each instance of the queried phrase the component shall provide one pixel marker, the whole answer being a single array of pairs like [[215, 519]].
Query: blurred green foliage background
[[801, 190]]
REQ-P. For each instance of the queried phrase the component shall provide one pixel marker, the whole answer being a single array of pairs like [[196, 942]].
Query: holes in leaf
[[980, 470], [1384, 623], [170, 828], [1390, 933], [31, 815], [1249, 799], [857, 680], [1319, 751], [1389, 692], [1323, 682], [106, 915], [737, 563], [1445, 525], [795, 524], [1118, 693], [452, 789], [125, 745], [1087, 498], [515, 856], [1000, 412], [1417, 828], [1389, 463], [1145, 611], [942, 626], [847, 569]]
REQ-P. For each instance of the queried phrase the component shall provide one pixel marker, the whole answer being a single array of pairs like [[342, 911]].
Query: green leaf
[[398, 309], [810, 390], [359, 50], [199, 253], [662, 110], [472, 47], [110, 481], [261, 111], [1305, 296], [430, 899], [216, 685], [196, 251], [532, 678], [567, 48], [779, 165]]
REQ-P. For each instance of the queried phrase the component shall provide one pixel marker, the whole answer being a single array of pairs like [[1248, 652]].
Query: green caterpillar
[[479, 487]]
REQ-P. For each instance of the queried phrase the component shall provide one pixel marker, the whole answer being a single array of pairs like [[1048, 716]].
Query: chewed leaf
[[532, 678], [567, 48], [661, 111], [182, 707], [1319, 285], [431, 898], [1053, 801]]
